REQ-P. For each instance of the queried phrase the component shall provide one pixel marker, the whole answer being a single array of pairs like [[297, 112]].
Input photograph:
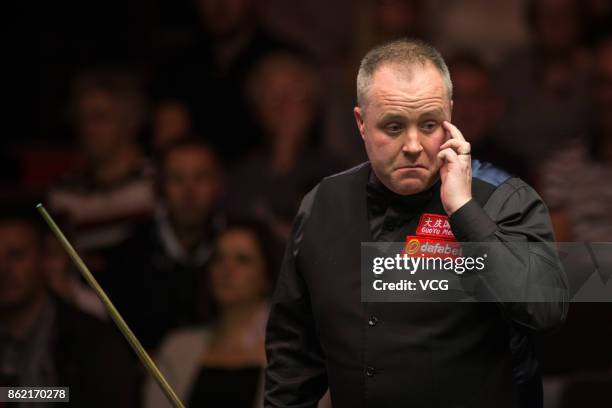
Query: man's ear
[[359, 119], [451, 108]]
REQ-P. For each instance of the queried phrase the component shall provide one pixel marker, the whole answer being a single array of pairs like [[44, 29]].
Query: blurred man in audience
[[46, 342], [115, 189], [210, 73], [284, 94], [478, 109], [545, 84], [575, 182], [154, 276], [65, 281]]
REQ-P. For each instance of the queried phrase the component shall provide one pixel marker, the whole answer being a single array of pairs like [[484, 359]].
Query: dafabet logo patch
[[434, 238]]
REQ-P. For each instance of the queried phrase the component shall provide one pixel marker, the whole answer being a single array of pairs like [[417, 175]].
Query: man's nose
[[412, 144]]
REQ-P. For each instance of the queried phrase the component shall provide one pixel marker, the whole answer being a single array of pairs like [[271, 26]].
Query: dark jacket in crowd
[[94, 360], [155, 287], [66, 347]]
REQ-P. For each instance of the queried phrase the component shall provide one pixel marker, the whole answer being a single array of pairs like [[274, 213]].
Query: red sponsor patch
[[431, 247], [435, 225]]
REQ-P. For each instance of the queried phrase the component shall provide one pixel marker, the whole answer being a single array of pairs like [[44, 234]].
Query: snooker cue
[[123, 327]]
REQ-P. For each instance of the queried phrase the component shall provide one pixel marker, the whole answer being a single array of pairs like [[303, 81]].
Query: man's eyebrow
[[436, 112], [391, 116]]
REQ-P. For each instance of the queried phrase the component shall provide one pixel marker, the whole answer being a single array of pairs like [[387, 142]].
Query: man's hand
[[455, 170]]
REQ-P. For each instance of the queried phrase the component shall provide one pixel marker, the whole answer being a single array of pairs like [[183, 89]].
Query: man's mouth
[[411, 167]]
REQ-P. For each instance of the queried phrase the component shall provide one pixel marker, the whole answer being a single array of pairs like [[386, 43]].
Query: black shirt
[[321, 334], [388, 211], [225, 387]]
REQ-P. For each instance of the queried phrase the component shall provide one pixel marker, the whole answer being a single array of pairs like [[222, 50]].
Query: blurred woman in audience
[[284, 92], [221, 364]]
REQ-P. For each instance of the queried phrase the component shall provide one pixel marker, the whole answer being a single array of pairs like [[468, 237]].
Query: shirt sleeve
[[525, 277], [295, 375]]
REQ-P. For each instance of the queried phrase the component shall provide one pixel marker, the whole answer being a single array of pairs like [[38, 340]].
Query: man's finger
[[459, 146], [453, 131], [448, 155]]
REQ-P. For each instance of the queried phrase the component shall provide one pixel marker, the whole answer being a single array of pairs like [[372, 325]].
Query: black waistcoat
[[394, 354]]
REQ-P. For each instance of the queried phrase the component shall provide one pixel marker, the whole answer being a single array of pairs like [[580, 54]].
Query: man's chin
[[408, 186]]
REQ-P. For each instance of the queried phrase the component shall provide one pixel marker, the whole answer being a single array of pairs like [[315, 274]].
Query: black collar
[[380, 197]]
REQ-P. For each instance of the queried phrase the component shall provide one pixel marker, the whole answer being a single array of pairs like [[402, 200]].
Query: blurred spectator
[[221, 364], [115, 189], [154, 277], [382, 21], [477, 110], [284, 92], [210, 73], [64, 280], [489, 28], [46, 342], [573, 181], [575, 185], [545, 84], [294, 20], [172, 121]]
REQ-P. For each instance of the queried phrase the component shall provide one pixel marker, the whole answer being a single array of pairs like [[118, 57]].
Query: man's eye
[[429, 126], [393, 128]]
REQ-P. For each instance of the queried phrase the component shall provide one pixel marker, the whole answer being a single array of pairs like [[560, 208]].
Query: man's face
[[20, 275], [401, 125], [191, 185]]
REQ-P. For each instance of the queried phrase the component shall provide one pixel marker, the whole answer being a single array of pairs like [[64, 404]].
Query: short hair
[[188, 142], [121, 84], [283, 59], [407, 52]]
